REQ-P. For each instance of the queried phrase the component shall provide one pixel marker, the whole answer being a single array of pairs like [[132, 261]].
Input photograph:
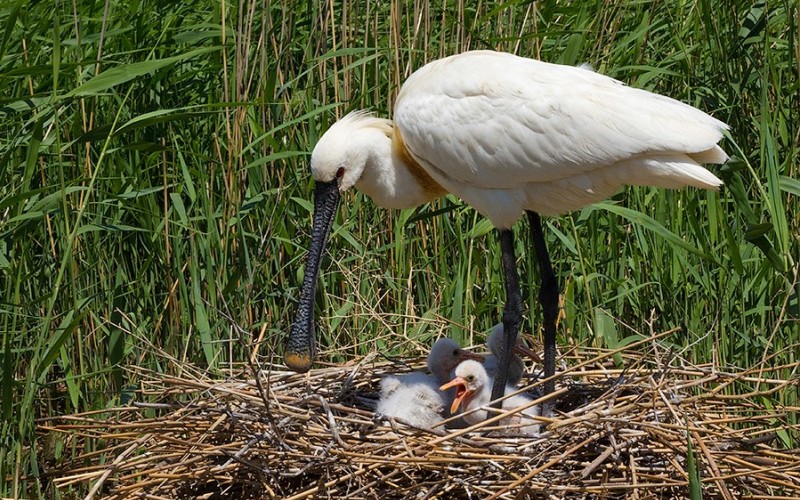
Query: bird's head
[[496, 341], [343, 150], [446, 355], [470, 378]]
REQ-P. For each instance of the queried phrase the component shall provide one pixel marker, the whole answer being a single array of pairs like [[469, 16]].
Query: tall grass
[[156, 196]]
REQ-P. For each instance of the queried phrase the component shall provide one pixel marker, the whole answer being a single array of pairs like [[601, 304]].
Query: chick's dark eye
[[340, 172]]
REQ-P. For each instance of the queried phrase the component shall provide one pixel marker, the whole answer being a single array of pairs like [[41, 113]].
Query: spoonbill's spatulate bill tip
[[299, 362]]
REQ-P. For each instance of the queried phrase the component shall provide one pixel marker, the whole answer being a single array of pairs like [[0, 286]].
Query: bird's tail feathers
[[671, 170], [713, 155], [678, 171]]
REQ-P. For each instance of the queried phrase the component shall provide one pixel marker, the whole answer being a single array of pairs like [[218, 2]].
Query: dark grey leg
[[512, 314], [548, 296]]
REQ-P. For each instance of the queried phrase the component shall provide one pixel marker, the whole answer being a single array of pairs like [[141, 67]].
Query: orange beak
[[462, 393]]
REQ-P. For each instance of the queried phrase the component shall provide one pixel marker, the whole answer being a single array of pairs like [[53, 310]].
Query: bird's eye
[[470, 378], [455, 352], [340, 172]]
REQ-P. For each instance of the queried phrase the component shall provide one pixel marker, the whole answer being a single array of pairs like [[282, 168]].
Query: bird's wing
[[494, 120]]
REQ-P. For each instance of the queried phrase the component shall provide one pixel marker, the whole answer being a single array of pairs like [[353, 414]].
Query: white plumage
[[412, 398], [511, 134], [473, 392], [415, 398]]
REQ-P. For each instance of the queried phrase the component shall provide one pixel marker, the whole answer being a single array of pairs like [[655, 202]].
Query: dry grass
[[619, 434]]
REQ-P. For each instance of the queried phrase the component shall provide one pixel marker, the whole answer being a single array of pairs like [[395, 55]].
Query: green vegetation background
[[155, 195]]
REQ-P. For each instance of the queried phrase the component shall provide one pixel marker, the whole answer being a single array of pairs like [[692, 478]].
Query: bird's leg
[[512, 315], [548, 296]]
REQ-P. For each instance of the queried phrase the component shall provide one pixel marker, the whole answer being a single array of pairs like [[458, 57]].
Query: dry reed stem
[[622, 433]]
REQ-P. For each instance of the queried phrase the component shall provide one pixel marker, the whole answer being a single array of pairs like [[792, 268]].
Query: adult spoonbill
[[507, 135], [415, 397], [472, 393]]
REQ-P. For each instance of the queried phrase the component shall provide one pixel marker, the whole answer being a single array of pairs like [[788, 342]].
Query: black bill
[[301, 344]]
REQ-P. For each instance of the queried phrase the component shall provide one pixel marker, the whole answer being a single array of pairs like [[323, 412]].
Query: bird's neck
[[392, 177], [442, 375], [480, 398]]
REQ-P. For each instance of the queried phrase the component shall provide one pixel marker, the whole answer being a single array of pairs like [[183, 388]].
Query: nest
[[650, 430]]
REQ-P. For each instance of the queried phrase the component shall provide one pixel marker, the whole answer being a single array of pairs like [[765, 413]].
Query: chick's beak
[[526, 351], [461, 392]]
